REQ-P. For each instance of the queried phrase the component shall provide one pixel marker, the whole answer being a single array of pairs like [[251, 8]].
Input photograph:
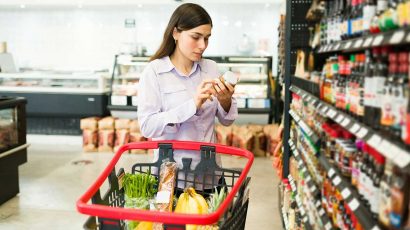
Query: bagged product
[[122, 137], [242, 138], [259, 141], [90, 123], [122, 123], [107, 123], [167, 180], [105, 140], [272, 138], [90, 140]]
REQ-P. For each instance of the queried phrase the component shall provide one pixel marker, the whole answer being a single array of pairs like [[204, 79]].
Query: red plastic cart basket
[[108, 212]]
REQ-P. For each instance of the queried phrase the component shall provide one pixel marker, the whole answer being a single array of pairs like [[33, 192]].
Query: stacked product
[[90, 134], [106, 134]]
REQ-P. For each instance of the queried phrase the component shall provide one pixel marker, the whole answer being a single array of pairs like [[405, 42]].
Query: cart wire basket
[[107, 210]]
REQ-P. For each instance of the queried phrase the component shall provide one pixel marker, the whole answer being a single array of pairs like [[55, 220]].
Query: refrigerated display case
[[56, 101], [253, 92], [13, 146]]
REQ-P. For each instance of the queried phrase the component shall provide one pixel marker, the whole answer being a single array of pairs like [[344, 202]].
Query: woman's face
[[192, 43]]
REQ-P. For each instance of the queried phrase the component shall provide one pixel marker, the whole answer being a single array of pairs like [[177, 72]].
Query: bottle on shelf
[[387, 99], [380, 76], [380, 8], [346, 22], [379, 162], [389, 19], [369, 11], [399, 198], [369, 88], [385, 195]]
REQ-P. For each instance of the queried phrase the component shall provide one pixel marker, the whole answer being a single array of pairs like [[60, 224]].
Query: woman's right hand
[[204, 92]]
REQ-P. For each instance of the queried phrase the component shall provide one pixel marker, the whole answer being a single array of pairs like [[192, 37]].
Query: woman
[[179, 92]]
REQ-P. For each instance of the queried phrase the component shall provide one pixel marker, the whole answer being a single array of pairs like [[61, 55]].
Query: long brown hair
[[187, 16]]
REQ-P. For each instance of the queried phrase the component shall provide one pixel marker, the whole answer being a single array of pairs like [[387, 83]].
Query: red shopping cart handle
[[120, 213]]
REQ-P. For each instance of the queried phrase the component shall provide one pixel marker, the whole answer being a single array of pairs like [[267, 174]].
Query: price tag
[[346, 122], [339, 118], [408, 38], [318, 204], [397, 37], [368, 42], [312, 189], [355, 128], [337, 46], [358, 43], [346, 193], [328, 226], [305, 219], [308, 179], [374, 141], [337, 180], [331, 113], [348, 45], [362, 132], [378, 40], [402, 159], [118, 100], [324, 109], [322, 212], [296, 153], [331, 172], [385, 148], [354, 204], [300, 163], [375, 228]]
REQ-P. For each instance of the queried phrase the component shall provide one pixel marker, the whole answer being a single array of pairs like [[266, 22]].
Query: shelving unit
[[394, 37]]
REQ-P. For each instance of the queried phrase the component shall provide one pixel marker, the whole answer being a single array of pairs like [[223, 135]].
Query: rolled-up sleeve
[[153, 121], [227, 118]]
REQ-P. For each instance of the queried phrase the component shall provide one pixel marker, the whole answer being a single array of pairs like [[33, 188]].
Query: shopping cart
[[107, 211]]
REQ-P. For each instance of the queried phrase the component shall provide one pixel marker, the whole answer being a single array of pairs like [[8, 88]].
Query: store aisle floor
[[56, 175]]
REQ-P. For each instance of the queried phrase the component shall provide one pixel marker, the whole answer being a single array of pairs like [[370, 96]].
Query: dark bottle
[[400, 198], [369, 87], [363, 174], [360, 89], [376, 178], [353, 18], [346, 26], [387, 100], [359, 19], [380, 76], [385, 195]]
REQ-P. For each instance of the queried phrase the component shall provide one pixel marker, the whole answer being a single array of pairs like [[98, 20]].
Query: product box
[[90, 140]]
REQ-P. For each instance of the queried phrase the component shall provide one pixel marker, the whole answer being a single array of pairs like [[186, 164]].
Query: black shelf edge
[[254, 110], [312, 186], [306, 85], [306, 129], [395, 37], [122, 107], [391, 149], [349, 195]]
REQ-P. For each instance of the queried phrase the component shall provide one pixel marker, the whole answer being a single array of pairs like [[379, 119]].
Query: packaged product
[[122, 137], [105, 140], [90, 140], [122, 123], [90, 123], [106, 123]]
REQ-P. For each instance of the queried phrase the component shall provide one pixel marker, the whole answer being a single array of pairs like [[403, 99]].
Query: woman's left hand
[[223, 92]]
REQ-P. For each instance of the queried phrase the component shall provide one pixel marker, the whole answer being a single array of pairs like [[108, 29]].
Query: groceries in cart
[[161, 195]]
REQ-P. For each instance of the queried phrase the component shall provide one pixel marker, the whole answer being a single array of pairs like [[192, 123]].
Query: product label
[[368, 92], [387, 98], [368, 13], [379, 83]]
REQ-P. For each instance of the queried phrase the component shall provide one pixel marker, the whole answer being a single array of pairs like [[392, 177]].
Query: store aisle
[[56, 175]]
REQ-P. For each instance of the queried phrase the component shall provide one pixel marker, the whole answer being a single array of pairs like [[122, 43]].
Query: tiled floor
[[50, 184]]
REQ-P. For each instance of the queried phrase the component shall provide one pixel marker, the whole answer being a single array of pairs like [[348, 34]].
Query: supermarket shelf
[[395, 37], [306, 129], [312, 187], [122, 107], [349, 195], [304, 217], [285, 218], [306, 85], [391, 149], [254, 110]]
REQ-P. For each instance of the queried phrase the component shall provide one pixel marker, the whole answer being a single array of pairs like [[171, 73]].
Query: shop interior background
[[86, 35]]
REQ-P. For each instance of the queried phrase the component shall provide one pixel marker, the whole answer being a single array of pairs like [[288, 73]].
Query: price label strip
[[346, 193], [397, 37], [385, 148], [348, 45], [374, 141], [358, 43], [346, 122], [355, 128], [378, 40], [362, 132], [354, 204], [339, 118], [402, 159], [337, 181], [367, 42], [331, 172], [331, 113]]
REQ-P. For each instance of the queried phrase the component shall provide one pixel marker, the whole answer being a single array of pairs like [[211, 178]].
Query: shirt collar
[[166, 65]]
